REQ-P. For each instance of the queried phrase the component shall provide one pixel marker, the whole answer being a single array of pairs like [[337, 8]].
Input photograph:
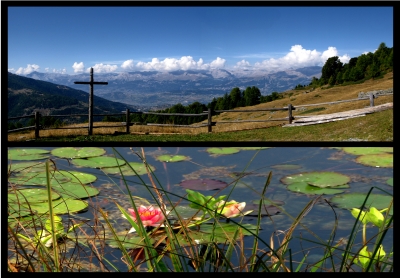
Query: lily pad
[[78, 177], [71, 152], [319, 179], [367, 150], [39, 178], [98, 162], [376, 160], [139, 167], [203, 184], [221, 151], [210, 233], [171, 158], [286, 167], [60, 206], [27, 154], [355, 200], [75, 191], [30, 195], [129, 243], [31, 166], [305, 188]]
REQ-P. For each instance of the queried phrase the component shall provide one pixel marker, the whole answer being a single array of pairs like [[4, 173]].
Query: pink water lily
[[231, 208], [150, 216]]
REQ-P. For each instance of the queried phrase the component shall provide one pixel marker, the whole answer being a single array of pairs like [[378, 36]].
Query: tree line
[[236, 98], [363, 67]]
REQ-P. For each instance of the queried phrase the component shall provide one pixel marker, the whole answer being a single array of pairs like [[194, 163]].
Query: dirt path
[[318, 119]]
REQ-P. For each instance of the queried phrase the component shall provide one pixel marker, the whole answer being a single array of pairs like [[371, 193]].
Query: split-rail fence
[[37, 127]]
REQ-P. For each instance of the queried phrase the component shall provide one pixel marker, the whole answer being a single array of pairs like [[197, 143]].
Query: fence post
[[209, 120], [37, 116], [371, 99], [127, 120], [290, 113]]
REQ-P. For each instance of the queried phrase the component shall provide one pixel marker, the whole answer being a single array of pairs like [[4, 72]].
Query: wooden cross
[[91, 83]]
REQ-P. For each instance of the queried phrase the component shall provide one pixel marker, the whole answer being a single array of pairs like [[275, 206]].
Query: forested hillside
[[27, 95]]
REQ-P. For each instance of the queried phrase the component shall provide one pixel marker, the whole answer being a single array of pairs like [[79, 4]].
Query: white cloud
[[128, 65], [62, 71], [242, 65], [219, 63], [78, 67], [184, 63], [100, 68], [333, 52], [299, 57], [30, 68]]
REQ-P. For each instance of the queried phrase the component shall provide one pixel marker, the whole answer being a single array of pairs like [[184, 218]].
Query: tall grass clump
[[213, 238]]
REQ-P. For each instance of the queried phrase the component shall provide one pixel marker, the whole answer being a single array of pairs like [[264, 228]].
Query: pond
[[239, 173]]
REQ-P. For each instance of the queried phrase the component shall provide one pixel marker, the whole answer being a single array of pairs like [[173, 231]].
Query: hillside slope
[[27, 95]]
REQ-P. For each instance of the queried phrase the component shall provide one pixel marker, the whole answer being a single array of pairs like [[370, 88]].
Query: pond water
[[246, 173]]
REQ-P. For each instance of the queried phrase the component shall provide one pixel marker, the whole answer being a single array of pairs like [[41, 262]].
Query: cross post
[[91, 83]]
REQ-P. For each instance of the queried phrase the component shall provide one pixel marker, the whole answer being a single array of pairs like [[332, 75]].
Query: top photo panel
[[199, 74]]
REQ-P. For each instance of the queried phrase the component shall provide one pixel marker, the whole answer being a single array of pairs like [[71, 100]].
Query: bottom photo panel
[[199, 209]]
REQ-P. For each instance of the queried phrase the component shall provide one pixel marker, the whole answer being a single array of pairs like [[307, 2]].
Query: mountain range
[[153, 90]]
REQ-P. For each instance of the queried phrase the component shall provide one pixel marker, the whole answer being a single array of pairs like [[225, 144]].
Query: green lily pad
[[171, 158], [355, 200], [71, 152], [38, 178], [75, 191], [376, 160], [390, 181], [30, 195], [27, 154], [367, 150], [60, 206], [78, 177], [286, 167], [209, 233], [31, 166], [129, 243], [221, 151], [139, 167], [98, 162], [319, 179], [305, 188]]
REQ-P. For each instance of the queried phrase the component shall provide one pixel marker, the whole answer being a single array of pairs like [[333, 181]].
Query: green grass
[[317, 109], [377, 126]]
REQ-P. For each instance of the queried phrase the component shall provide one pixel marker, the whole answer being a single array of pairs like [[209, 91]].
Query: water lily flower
[[231, 208], [150, 216]]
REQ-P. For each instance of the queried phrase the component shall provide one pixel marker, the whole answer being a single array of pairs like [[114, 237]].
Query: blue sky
[[115, 39]]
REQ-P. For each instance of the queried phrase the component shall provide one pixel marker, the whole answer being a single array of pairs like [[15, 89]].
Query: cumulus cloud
[[30, 68], [100, 68], [78, 67], [128, 65], [300, 57], [219, 63], [184, 63], [242, 65]]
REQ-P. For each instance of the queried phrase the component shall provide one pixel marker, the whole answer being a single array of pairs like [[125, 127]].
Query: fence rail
[[37, 127]]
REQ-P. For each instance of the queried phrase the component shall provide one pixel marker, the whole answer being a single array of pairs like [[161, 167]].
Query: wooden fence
[[37, 127]]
